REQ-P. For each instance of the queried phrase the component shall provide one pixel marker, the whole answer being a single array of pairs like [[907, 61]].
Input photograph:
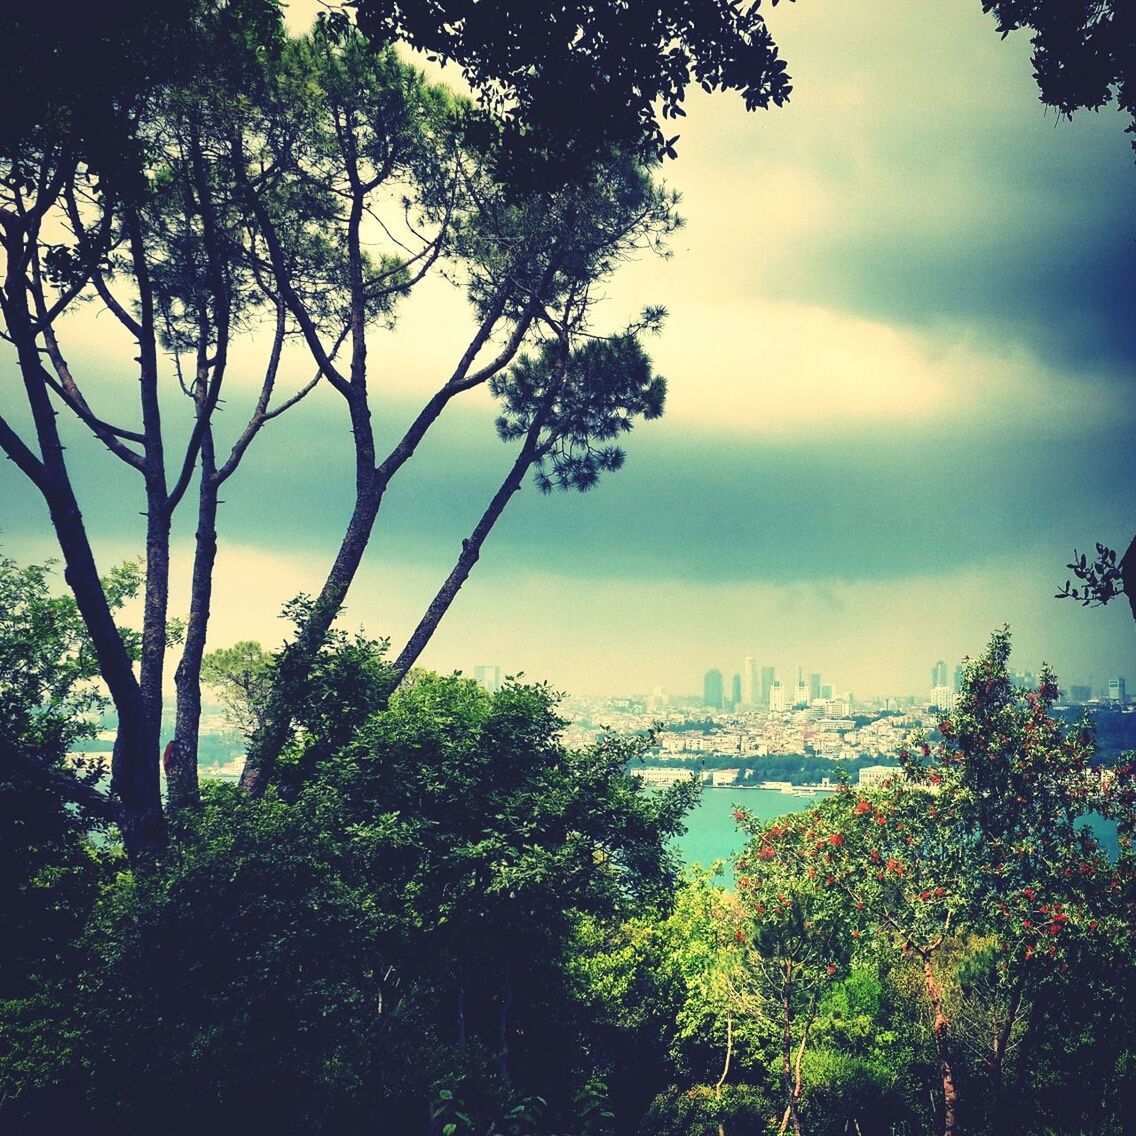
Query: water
[[711, 832]]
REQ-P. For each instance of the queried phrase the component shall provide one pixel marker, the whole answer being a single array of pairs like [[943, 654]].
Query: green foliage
[[570, 78], [740, 1110], [241, 676]]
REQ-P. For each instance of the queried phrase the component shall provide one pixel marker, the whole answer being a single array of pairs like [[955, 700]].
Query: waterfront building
[[873, 776], [1116, 691]]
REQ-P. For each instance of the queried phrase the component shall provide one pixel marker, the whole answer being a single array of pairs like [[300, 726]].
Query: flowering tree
[[793, 932], [980, 838]]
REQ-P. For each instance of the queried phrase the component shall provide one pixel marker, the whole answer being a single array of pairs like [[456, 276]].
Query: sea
[[712, 834]]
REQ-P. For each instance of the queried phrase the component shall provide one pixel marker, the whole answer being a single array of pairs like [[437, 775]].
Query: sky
[[900, 353]]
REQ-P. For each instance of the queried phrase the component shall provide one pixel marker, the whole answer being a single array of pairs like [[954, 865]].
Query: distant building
[[814, 687], [777, 697], [749, 682], [1078, 695], [944, 698], [661, 777], [1116, 691], [712, 692], [958, 677], [488, 677], [939, 674], [873, 776], [736, 690], [768, 675]]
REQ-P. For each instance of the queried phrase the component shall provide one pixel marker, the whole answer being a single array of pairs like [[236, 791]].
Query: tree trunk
[[940, 1027], [181, 773], [468, 557], [135, 779], [787, 1058], [297, 658]]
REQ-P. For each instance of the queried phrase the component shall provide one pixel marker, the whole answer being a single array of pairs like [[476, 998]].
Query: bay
[[712, 834]]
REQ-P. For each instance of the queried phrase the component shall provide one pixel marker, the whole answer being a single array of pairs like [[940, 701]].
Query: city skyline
[[900, 358]]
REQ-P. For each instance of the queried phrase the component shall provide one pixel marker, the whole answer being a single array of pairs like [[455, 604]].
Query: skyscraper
[[814, 687], [1116, 691], [736, 691], [749, 682], [768, 674], [939, 674], [712, 689]]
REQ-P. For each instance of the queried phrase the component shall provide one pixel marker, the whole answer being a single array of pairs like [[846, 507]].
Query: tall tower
[[749, 682], [712, 689], [736, 691], [814, 687], [939, 674], [768, 674]]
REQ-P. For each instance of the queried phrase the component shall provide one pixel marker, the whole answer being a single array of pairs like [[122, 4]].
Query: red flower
[[739, 935], [863, 806], [836, 838], [831, 968], [924, 895]]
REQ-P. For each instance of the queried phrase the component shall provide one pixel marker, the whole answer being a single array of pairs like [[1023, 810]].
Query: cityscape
[[756, 714]]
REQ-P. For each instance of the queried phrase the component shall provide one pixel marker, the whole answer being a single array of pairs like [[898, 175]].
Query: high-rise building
[[814, 687], [776, 697], [801, 693], [1078, 694], [958, 677], [768, 674], [489, 677], [1116, 691], [712, 691], [944, 698], [939, 674], [749, 681], [736, 691]]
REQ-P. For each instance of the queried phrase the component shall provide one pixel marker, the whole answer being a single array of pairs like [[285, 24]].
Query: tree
[[77, 222], [54, 823], [1102, 579], [1084, 51], [795, 935], [530, 262], [569, 79], [981, 836], [258, 202], [399, 926]]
